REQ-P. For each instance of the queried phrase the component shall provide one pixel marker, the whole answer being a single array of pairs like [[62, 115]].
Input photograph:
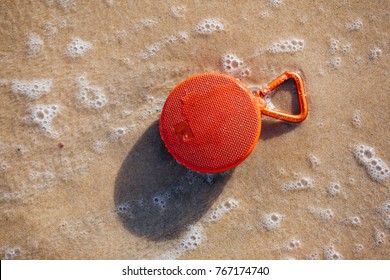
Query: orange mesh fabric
[[210, 122]]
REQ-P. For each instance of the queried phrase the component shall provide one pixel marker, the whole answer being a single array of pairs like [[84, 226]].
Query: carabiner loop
[[301, 98]]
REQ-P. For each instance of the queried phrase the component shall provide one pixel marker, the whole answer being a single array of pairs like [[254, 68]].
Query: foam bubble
[[12, 197], [351, 181], [77, 47], [117, 133], [379, 237], [125, 113], [67, 3], [356, 25], [51, 27], [120, 35], [314, 256], [375, 53], [34, 44], [147, 23], [208, 26], [183, 35], [99, 146], [376, 168], [331, 254], [276, 3], [210, 179], [171, 39], [334, 45], [346, 48], [225, 207], [32, 89], [335, 62], [333, 189], [287, 46], [357, 119], [358, 248], [385, 208], [82, 80], [192, 176], [91, 97], [325, 214], [293, 245], [354, 221], [155, 48], [385, 213], [171, 254], [4, 166], [151, 50], [63, 23], [234, 66], [264, 13], [193, 238], [154, 105], [190, 241], [10, 253], [45, 175], [178, 11], [43, 115], [364, 153], [272, 221], [124, 209], [314, 160], [301, 184], [161, 200]]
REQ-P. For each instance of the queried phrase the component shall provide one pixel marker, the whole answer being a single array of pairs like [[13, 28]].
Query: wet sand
[[91, 179]]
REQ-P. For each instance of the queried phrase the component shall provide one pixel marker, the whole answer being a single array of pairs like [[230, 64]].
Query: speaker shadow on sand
[[158, 198]]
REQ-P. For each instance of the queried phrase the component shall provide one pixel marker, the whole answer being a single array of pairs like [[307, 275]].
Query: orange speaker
[[211, 122]]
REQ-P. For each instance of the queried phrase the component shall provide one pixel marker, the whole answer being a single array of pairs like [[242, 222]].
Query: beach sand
[[84, 173]]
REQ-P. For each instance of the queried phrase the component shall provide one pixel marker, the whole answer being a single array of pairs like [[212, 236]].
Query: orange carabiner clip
[[301, 97], [211, 122]]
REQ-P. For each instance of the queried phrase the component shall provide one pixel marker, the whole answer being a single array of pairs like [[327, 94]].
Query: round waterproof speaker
[[211, 122]]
